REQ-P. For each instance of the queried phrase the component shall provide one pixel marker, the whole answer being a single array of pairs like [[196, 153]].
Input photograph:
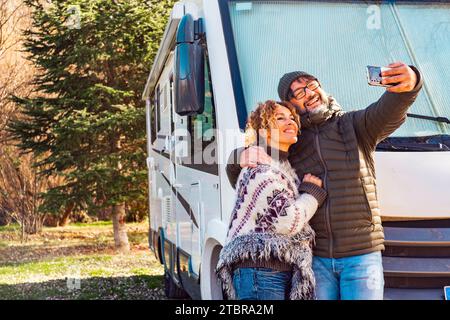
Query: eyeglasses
[[300, 93]]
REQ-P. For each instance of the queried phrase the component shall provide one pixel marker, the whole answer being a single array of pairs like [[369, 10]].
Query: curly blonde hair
[[263, 117]]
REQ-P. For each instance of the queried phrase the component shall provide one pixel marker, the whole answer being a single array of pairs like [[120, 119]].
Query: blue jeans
[[261, 284], [350, 278]]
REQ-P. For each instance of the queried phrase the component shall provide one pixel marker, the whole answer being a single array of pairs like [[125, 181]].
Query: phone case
[[374, 76]]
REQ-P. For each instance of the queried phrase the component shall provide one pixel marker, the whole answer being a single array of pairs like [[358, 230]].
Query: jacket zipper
[[327, 207]]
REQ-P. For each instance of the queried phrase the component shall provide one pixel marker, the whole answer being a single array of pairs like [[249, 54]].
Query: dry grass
[[77, 262]]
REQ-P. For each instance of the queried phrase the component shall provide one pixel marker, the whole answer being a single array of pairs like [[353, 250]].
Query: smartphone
[[374, 76], [447, 292]]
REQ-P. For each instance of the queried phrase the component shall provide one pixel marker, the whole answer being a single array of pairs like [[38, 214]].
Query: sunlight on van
[[335, 42]]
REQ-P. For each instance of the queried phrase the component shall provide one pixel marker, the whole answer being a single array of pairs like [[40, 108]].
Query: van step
[[435, 223], [417, 242], [413, 294], [400, 272]]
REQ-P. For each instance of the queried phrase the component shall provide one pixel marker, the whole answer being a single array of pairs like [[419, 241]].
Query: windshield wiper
[[427, 143], [437, 119]]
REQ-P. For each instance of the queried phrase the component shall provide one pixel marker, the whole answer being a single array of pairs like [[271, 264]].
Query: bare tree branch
[[19, 183]]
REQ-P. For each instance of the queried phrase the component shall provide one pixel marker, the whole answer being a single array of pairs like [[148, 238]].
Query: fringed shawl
[[267, 206]]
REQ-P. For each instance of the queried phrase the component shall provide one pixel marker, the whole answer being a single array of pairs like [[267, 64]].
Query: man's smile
[[313, 102]]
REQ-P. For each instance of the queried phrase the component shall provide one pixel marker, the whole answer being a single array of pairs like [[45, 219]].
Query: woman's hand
[[312, 179]]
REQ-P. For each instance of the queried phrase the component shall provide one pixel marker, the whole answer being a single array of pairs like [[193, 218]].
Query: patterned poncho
[[270, 221]]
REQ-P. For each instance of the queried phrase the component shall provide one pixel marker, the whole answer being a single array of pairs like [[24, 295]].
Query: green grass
[[101, 273], [10, 227], [54, 266], [91, 224], [40, 268]]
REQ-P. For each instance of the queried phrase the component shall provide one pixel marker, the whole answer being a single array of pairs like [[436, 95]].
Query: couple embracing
[[306, 222]]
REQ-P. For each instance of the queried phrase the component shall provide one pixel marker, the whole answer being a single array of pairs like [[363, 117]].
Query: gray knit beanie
[[284, 86]]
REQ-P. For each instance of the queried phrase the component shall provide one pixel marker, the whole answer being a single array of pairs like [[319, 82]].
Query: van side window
[[165, 110], [155, 114], [158, 109], [172, 124], [153, 119], [202, 127]]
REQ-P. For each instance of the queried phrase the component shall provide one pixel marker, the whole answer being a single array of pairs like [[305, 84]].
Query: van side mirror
[[189, 75]]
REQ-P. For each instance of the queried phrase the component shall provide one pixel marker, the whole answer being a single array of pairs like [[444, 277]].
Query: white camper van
[[218, 58]]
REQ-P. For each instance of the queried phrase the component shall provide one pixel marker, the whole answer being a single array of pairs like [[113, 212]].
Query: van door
[[162, 168], [197, 176], [182, 178]]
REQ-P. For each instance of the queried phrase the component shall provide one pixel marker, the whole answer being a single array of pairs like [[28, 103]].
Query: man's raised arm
[[383, 117]]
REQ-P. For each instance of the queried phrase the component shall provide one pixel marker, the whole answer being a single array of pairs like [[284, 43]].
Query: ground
[[78, 262]]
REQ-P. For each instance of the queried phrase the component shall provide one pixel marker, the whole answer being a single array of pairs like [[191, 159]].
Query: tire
[[171, 289]]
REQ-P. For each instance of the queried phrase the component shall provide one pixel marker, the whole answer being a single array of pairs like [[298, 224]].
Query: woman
[[267, 253]]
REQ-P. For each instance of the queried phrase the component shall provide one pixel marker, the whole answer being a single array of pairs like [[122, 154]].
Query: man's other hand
[[400, 74], [253, 156], [312, 179]]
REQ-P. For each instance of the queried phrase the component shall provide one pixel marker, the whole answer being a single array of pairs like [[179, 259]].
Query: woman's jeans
[[261, 284], [349, 278]]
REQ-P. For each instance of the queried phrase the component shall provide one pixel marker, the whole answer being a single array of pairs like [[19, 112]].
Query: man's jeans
[[350, 278], [261, 284]]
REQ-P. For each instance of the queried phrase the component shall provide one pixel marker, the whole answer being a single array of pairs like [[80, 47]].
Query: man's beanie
[[284, 86]]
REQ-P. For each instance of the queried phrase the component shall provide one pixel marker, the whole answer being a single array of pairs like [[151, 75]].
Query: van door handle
[[177, 185]]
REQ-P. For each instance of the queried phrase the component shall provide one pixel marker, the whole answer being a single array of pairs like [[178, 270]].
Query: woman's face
[[285, 130]]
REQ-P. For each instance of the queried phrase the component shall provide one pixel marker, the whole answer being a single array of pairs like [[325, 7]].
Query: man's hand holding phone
[[397, 77], [400, 74]]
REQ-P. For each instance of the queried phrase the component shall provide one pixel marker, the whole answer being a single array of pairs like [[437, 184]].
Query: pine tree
[[86, 120]]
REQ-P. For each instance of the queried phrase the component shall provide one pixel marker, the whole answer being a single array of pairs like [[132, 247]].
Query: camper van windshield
[[335, 41]]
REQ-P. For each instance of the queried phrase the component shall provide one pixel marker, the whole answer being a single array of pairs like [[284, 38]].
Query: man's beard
[[322, 108], [319, 110]]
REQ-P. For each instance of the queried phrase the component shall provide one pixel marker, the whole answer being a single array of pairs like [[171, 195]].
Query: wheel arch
[[215, 238]]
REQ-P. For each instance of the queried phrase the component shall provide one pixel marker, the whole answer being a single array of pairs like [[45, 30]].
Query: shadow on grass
[[142, 287]]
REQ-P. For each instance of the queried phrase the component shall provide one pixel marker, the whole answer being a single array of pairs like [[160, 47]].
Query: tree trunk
[[65, 218], [120, 228]]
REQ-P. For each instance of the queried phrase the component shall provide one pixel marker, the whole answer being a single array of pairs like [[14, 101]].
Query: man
[[338, 147]]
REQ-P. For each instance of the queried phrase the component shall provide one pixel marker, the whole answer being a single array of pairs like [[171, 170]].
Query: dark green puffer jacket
[[339, 149]]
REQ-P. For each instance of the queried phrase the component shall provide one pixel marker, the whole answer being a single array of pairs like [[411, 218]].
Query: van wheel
[[171, 289]]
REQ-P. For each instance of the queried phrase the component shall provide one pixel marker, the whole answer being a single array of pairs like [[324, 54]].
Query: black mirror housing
[[189, 75]]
